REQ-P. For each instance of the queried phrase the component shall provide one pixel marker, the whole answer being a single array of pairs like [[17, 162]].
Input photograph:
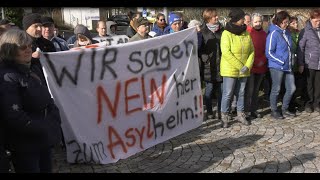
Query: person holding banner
[[236, 61], [83, 35], [175, 22], [210, 55], [31, 117]]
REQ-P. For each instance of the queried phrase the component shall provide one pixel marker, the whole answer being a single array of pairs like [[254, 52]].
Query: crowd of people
[[234, 61]]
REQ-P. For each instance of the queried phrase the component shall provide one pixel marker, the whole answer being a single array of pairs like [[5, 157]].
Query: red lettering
[[144, 93], [129, 135], [140, 134], [112, 108], [153, 88], [127, 98], [112, 144]]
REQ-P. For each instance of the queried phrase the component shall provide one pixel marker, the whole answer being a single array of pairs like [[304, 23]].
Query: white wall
[[74, 16]]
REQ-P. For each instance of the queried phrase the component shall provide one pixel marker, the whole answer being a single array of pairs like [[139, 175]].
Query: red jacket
[[259, 42]]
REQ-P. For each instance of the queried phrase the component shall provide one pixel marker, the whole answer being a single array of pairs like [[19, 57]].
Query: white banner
[[119, 100], [112, 40]]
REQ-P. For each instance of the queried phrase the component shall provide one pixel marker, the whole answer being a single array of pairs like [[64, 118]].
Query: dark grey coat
[[309, 48]]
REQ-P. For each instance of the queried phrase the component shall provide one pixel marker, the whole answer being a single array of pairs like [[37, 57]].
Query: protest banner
[[119, 100], [112, 40]]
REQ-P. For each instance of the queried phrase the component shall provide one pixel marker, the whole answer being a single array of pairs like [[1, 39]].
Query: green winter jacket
[[237, 51]]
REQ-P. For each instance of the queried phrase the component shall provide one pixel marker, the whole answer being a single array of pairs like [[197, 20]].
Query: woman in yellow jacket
[[236, 61]]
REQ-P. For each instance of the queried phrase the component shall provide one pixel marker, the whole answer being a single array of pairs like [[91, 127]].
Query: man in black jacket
[[33, 26]]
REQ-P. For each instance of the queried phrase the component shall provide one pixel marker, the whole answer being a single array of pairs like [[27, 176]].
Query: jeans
[[208, 96], [252, 92], [230, 87], [277, 77]]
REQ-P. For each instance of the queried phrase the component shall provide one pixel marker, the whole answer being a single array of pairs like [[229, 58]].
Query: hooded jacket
[[278, 49], [81, 29], [309, 48]]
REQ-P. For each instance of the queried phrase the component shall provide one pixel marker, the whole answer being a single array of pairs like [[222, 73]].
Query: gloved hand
[[244, 69]]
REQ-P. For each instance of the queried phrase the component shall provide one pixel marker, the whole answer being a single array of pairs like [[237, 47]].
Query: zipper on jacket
[[290, 57], [241, 41]]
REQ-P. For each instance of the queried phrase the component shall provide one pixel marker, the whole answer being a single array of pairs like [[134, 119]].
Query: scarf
[[213, 27], [235, 29]]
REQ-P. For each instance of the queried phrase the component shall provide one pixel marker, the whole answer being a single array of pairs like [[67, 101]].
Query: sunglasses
[[162, 20], [25, 46]]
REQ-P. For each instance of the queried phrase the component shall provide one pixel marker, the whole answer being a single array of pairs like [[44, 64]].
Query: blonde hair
[[10, 41], [208, 13]]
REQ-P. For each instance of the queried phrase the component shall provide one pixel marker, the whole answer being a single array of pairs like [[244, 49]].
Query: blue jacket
[[159, 31], [278, 49], [309, 48]]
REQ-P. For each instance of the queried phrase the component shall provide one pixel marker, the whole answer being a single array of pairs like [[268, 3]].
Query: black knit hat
[[46, 20], [236, 14], [30, 19]]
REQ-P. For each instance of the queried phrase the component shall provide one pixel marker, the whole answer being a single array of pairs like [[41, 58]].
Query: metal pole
[[2, 13], [165, 12]]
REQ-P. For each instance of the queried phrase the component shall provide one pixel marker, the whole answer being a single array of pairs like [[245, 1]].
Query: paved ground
[[290, 145]]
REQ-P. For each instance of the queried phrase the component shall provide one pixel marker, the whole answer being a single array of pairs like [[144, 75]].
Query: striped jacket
[[278, 49]]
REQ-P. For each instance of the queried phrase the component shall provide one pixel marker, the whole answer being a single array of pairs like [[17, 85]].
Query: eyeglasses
[[25, 46], [162, 20]]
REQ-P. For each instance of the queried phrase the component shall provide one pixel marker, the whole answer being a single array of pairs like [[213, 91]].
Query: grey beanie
[[81, 29]]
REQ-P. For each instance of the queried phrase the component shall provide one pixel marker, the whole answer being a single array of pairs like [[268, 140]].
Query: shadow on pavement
[[283, 167]]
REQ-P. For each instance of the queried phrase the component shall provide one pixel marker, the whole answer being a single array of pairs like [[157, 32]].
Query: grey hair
[[10, 41], [256, 15], [194, 23]]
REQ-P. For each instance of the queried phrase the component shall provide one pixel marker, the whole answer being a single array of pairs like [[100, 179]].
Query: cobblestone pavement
[[267, 145]]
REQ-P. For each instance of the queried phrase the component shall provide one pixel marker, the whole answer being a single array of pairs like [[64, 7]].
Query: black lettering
[[120, 41], [192, 81], [178, 85], [93, 55], [170, 121], [186, 85], [193, 48], [175, 50], [99, 150], [64, 71], [90, 160], [140, 67], [105, 64], [165, 57], [154, 54], [186, 113], [155, 126], [77, 151], [109, 41]]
